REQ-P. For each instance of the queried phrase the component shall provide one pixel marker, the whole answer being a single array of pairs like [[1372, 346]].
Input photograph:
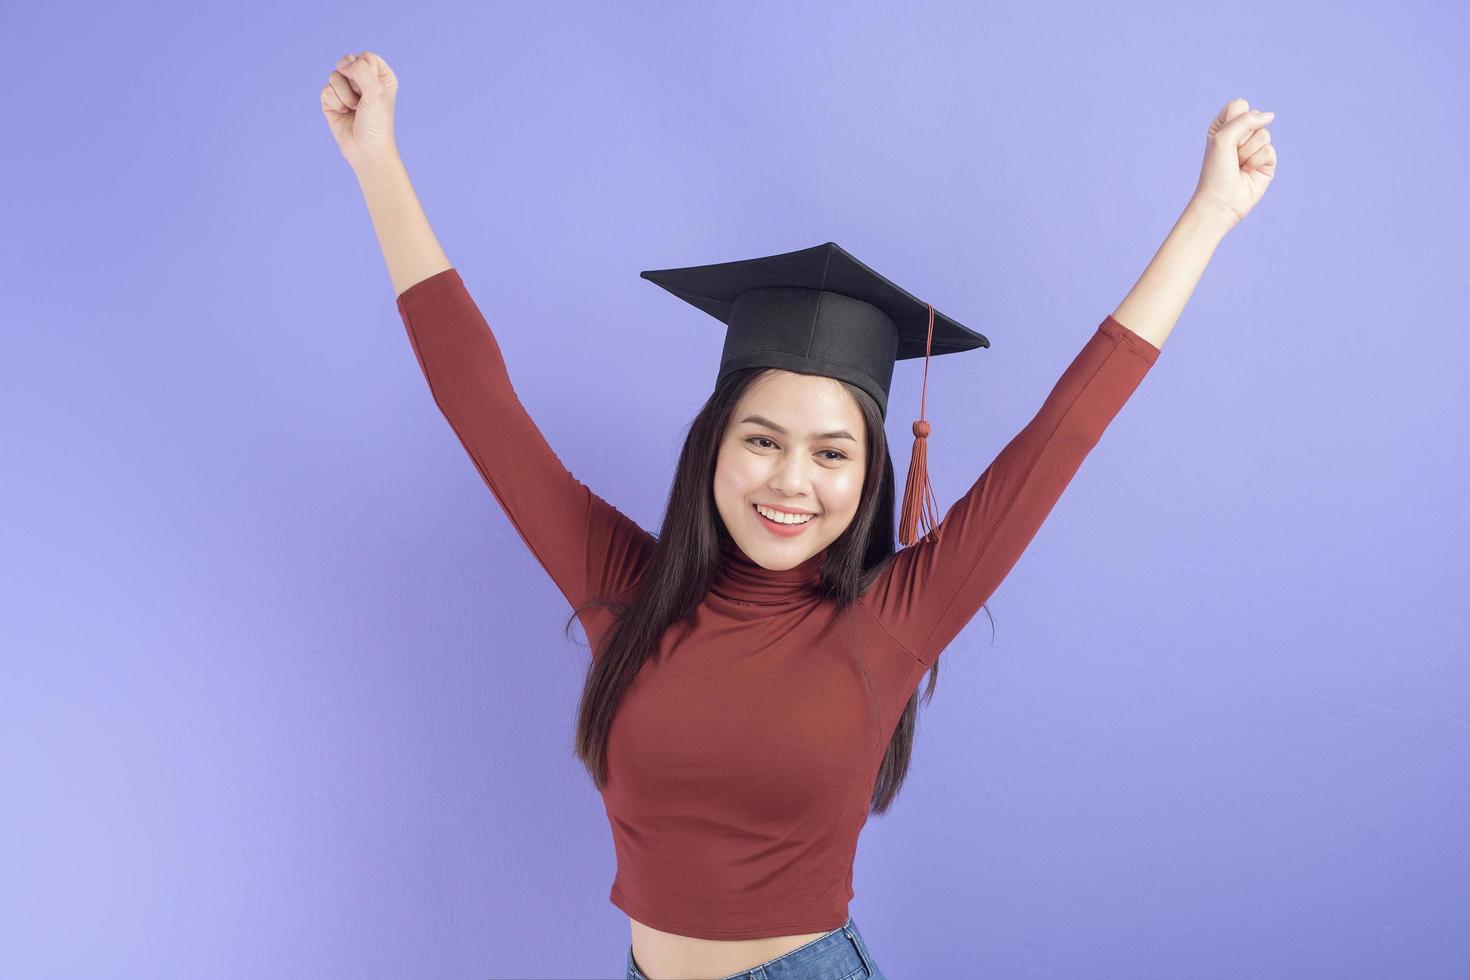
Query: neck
[[742, 579]]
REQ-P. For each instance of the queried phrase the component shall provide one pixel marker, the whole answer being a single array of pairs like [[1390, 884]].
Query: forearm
[[1154, 304], [409, 247]]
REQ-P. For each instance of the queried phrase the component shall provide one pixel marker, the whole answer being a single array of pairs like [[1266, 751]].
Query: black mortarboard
[[821, 311]]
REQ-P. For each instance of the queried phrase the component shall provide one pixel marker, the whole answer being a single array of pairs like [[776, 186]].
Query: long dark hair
[[686, 562]]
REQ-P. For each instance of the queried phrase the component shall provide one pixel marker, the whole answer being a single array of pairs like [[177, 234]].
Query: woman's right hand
[[358, 102]]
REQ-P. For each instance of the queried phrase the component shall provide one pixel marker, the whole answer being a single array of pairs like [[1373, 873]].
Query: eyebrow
[[762, 420]]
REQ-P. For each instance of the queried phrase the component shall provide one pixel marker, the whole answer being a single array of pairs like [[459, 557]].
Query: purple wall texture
[[285, 696]]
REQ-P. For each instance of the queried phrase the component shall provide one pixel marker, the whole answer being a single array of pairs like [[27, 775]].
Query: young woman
[[753, 685]]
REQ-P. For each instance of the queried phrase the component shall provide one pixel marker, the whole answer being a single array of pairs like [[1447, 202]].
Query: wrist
[[381, 162], [1210, 217]]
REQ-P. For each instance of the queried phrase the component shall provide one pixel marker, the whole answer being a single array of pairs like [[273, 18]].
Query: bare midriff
[[664, 955]]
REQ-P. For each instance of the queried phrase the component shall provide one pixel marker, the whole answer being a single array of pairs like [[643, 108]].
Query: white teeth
[[784, 518]]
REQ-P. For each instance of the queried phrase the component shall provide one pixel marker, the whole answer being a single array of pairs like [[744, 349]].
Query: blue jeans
[[840, 953]]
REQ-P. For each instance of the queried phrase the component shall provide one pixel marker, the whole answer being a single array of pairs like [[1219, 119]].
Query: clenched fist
[[358, 102], [1239, 161]]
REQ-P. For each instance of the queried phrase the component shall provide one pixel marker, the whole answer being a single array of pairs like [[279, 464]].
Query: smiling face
[[796, 443]]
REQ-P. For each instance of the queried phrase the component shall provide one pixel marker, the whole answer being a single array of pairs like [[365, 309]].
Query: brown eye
[[840, 455]]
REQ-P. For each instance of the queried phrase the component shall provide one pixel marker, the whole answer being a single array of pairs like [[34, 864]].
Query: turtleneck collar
[[741, 579]]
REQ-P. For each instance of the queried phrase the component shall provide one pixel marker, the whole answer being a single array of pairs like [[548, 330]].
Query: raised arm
[[932, 588], [585, 544]]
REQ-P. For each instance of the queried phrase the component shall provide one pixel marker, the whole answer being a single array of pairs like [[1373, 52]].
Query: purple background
[[284, 694]]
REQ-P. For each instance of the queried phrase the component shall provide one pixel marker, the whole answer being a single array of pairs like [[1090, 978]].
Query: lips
[[778, 528]]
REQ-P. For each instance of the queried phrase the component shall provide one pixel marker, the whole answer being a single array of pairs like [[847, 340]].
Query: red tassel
[[918, 496]]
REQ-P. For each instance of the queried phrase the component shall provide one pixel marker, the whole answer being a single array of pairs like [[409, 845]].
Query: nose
[[792, 481]]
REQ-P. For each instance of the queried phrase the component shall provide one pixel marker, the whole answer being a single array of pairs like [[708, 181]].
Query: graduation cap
[[821, 311]]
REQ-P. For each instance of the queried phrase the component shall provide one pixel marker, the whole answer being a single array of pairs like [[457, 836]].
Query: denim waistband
[[840, 955]]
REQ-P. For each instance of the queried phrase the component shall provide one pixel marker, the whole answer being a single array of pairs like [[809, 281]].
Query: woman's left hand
[[1239, 161]]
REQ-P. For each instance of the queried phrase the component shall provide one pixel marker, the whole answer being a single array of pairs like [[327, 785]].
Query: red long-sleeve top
[[742, 760]]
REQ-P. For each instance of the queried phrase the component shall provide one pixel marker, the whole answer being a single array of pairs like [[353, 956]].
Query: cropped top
[[742, 760]]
